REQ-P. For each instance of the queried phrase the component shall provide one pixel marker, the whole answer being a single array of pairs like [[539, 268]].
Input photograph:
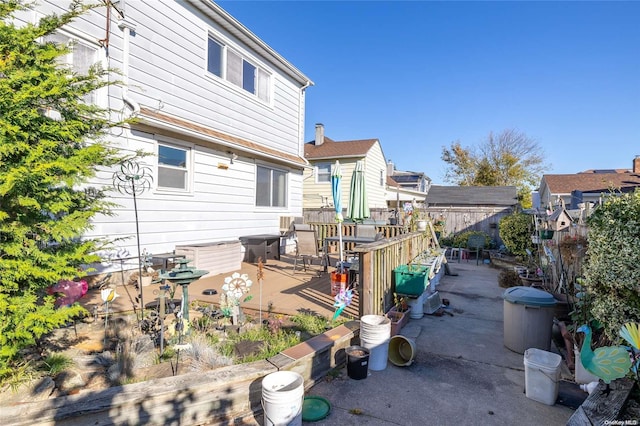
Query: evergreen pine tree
[[50, 149]]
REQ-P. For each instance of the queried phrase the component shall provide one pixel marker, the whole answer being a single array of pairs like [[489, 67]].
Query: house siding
[[376, 189], [318, 194], [166, 72]]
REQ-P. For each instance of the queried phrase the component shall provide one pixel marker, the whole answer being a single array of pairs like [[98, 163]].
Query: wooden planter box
[[398, 319]]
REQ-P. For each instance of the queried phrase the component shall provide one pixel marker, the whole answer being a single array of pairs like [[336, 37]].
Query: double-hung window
[[238, 70], [80, 59], [323, 172], [174, 163], [271, 187]]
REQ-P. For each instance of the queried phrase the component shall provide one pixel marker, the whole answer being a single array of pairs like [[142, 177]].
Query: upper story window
[[231, 66], [323, 172], [271, 187], [381, 177], [81, 57], [174, 165]]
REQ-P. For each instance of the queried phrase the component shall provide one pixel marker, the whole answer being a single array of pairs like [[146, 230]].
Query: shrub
[[612, 268], [47, 166], [515, 232], [460, 239]]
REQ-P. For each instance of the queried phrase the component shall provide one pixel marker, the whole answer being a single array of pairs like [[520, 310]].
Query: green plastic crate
[[411, 280]]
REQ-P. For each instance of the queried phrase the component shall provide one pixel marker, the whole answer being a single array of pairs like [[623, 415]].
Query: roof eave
[[231, 24], [186, 128]]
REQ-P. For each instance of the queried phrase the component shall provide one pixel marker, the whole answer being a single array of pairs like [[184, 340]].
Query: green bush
[[612, 268], [460, 239], [48, 198], [515, 232]]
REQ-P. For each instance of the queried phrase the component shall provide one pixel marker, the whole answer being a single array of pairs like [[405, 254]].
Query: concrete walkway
[[462, 374]]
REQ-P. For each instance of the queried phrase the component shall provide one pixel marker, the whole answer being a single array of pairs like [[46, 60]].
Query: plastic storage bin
[[412, 280], [541, 375], [528, 318]]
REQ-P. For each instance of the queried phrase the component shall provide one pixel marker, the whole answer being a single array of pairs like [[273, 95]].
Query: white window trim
[[317, 173], [173, 143], [101, 94], [228, 45], [288, 183]]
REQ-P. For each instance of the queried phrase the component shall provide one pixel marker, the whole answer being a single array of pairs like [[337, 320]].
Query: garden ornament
[[68, 291], [343, 299], [607, 362], [631, 333]]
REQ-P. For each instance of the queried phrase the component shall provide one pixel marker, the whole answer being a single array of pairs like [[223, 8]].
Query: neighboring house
[[573, 190], [220, 111], [322, 154], [471, 208], [404, 187]]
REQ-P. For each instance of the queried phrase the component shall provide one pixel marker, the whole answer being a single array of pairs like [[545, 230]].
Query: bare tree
[[510, 158]]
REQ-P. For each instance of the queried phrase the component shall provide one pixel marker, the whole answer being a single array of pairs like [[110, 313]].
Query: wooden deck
[[286, 291]]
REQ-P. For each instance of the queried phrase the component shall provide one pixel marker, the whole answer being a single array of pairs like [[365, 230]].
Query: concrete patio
[[462, 373]]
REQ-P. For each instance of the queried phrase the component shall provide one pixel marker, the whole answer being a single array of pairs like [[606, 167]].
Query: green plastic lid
[[315, 408], [528, 296]]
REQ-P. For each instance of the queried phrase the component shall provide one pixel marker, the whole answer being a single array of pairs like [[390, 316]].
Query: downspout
[[127, 27], [301, 98]]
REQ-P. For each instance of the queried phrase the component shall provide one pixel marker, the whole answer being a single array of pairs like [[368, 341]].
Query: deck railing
[[378, 259], [324, 230]]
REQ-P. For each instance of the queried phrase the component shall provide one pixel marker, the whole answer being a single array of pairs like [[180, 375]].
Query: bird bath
[[183, 275]]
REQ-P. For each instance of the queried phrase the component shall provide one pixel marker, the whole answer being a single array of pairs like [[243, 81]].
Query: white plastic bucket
[[417, 308], [375, 332], [282, 397], [378, 354], [541, 375], [375, 328]]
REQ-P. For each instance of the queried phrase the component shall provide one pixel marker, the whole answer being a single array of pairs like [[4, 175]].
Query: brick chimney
[[636, 165], [319, 134]]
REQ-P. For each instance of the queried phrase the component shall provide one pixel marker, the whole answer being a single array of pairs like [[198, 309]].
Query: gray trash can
[[528, 318]]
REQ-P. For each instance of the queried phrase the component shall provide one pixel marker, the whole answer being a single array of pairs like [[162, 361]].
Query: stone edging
[[227, 394]]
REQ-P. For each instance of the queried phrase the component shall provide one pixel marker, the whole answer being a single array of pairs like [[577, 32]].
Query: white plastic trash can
[[541, 375], [528, 318]]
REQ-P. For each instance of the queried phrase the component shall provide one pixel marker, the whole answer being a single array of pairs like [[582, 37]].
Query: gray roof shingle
[[472, 196]]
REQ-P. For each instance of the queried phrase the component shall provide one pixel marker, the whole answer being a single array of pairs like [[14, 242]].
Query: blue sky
[[421, 75]]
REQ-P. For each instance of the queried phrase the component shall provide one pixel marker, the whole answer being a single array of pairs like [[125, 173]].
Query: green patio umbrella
[[358, 208]]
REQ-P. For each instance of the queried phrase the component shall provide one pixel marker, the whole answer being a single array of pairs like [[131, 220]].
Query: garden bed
[[162, 392]]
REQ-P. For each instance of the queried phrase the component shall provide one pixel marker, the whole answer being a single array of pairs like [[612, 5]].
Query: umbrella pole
[[340, 246]]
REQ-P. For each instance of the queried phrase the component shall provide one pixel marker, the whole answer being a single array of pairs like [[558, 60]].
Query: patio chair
[[307, 248], [475, 244]]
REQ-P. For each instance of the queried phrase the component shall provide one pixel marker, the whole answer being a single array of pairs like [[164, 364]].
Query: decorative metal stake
[[260, 279], [134, 179]]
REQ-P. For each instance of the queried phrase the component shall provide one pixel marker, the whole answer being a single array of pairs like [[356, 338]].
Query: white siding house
[[219, 111]]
